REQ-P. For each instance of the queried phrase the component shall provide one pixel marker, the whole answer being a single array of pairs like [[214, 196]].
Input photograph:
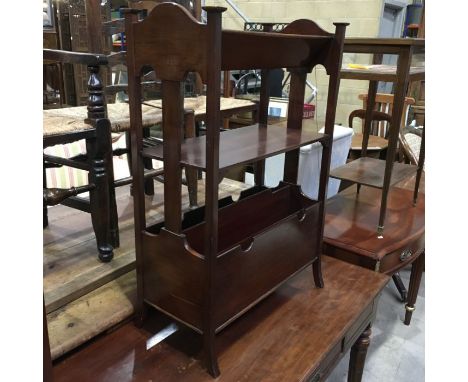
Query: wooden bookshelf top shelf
[[370, 172], [244, 145], [387, 73]]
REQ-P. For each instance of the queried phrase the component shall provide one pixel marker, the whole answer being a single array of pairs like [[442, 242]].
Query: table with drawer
[[350, 234]]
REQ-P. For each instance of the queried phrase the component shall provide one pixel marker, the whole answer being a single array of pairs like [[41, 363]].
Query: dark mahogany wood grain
[[350, 234], [245, 145], [350, 221], [370, 172], [228, 270], [285, 338], [243, 249]]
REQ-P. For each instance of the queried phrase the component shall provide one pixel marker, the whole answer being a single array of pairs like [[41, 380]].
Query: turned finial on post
[[96, 98]]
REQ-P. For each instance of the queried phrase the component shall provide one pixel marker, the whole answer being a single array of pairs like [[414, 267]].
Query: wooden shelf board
[[381, 73], [244, 145], [370, 172]]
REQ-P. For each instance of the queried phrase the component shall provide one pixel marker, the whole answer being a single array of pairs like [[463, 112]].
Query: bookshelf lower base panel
[[254, 258]]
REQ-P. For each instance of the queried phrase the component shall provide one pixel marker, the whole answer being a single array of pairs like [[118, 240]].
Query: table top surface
[[387, 73], [351, 220], [372, 41], [284, 338]]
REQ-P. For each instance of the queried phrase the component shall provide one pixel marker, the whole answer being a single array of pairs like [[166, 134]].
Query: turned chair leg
[[415, 281], [358, 356], [98, 148]]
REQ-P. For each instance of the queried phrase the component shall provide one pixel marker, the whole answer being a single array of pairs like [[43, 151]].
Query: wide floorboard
[[83, 296]]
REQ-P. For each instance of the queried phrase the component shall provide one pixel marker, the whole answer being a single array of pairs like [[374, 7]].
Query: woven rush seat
[[72, 119], [198, 104]]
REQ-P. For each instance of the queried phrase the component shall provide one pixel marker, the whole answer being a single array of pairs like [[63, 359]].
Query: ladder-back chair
[[94, 128]]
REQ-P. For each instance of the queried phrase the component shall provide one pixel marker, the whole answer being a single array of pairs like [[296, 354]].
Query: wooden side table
[[350, 234], [383, 174], [299, 333]]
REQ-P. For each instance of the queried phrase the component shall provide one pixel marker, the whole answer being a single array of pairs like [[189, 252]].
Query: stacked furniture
[[209, 267], [347, 235], [373, 172]]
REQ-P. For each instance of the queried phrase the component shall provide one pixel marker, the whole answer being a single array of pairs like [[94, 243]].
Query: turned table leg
[[358, 356], [415, 281]]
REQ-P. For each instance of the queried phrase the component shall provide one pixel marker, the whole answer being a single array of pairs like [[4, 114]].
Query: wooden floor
[[83, 296]]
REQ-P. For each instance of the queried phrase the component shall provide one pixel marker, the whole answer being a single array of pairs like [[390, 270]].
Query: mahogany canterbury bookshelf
[[208, 266]]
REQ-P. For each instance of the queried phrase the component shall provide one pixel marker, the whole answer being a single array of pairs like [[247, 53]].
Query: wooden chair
[[379, 131], [410, 141], [94, 128]]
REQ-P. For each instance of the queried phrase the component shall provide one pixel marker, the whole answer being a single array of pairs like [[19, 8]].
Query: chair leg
[[98, 149], [129, 153], [113, 214]]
